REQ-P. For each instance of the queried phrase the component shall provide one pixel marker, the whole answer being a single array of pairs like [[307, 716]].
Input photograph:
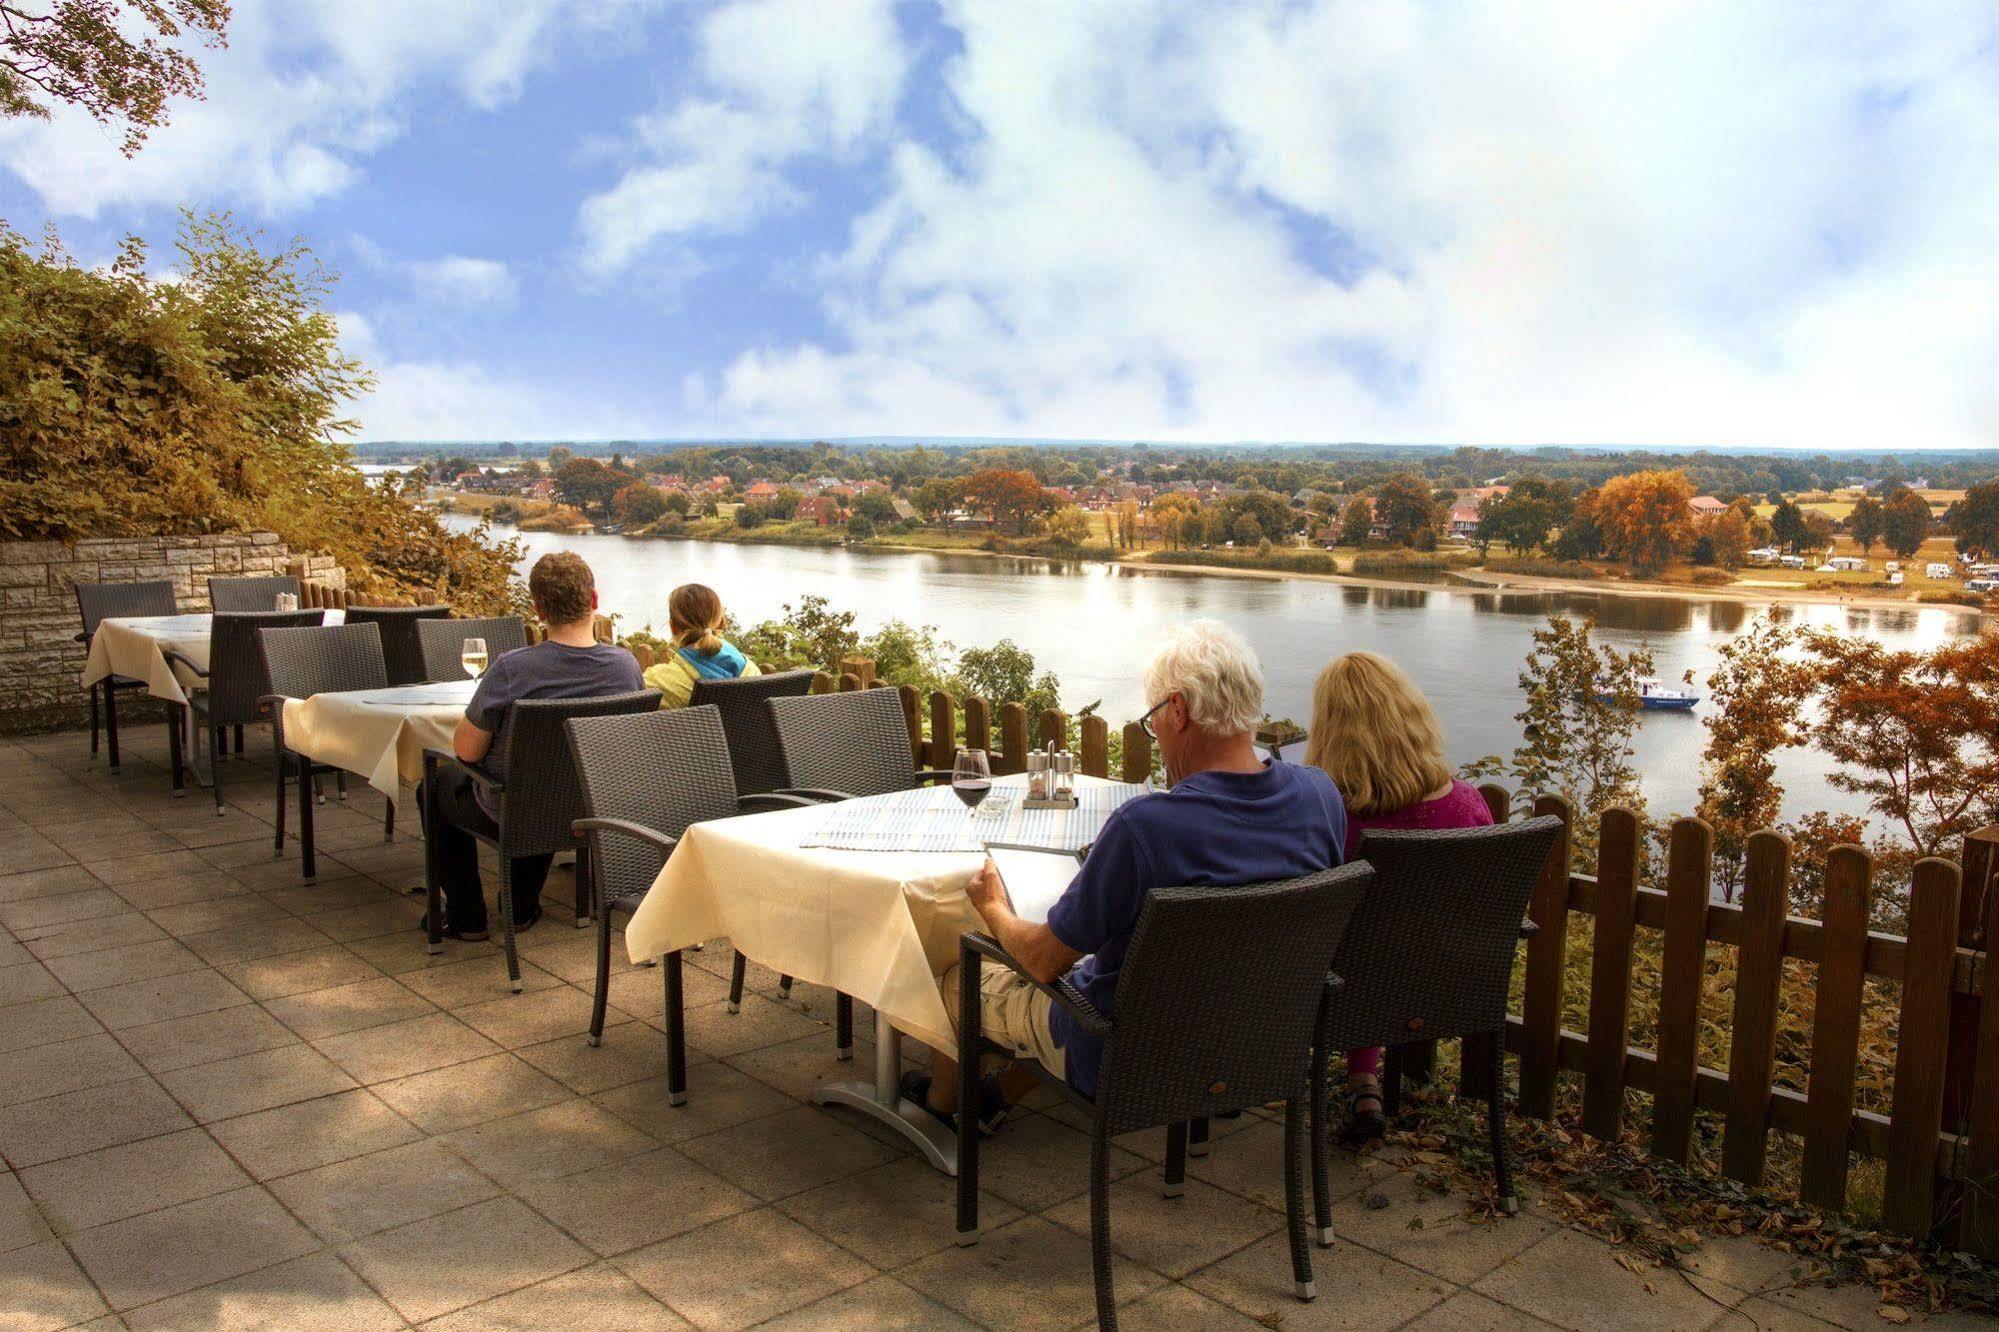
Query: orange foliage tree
[[1645, 519], [1005, 496]]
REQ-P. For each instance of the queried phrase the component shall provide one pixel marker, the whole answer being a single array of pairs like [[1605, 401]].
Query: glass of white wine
[[473, 656]]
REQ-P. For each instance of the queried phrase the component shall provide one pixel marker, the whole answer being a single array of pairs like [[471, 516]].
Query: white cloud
[[458, 280], [784, 79], [1704, 223], [305, 90]]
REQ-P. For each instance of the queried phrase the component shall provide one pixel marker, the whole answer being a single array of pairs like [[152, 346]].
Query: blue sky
[[1700, 223]]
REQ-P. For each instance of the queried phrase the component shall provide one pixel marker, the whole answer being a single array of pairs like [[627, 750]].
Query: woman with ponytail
[[694, 614]]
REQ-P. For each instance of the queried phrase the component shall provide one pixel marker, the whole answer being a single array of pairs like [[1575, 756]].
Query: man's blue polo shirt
[[1211, 828]]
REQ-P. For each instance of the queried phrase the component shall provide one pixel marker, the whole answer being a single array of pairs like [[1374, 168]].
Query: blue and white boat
[[1654, 696]]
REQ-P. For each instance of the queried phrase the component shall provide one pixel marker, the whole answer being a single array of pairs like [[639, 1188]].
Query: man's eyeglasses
[[1145, 722]]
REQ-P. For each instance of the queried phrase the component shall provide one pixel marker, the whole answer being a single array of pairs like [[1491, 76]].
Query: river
[[1092, 624]]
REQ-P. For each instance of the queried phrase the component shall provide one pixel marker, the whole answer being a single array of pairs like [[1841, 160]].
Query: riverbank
[[1459, 577]]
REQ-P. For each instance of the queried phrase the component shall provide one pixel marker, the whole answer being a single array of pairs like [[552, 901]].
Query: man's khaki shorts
[[1012, 1013]]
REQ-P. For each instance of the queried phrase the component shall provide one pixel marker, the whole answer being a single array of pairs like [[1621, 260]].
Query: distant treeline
[[1285, 469]]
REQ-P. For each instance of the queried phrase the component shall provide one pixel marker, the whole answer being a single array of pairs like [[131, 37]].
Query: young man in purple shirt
[[569, 663], [1230, 818]]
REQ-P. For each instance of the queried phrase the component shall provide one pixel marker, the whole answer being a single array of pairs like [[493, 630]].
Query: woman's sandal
[[1366, 1121]]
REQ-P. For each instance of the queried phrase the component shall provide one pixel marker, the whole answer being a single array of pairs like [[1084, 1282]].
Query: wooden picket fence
[[1939, 1142]]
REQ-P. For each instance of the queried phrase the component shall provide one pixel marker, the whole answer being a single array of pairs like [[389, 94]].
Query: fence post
[[1980, 1232], [978, 730], [849, 682], [1054, 728], [1541, 1007], [1849, 878], [643, 654], [861, 668], [1975, 921], [822, 683], [1620, 844], [1013, 737], [1759, 972], [1922, 1045], [1137, 753], [1689, 862], [943, 730], [1096, 756], [912, 716]]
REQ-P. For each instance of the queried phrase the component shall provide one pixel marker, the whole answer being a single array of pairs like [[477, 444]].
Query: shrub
[[1943, 596], [1542, 568], [1410, 561], [1711, 578], [1280, 561]]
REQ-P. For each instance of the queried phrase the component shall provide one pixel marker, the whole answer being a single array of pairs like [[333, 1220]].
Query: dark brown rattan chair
[[754, 755], [1429, 957], [1216, 1004], [402, 652], [249, 594], [98, 602], [442, 641], [238, 692], [538, 801], [645, 778], [837, 747], [300, 663]]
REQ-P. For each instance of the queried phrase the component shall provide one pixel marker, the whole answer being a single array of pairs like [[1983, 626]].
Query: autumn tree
[[1728, 537], [1755, 709], [1356, 521], [1070, 526], [1124, 524], [1975, 521], [638, 503], [1409, 510], [588, 484], [1645, 518], [1864, 524], [119, 60], [1581, 537], [1525, 515], [1007, 497], [1905, 522], [935, 497]]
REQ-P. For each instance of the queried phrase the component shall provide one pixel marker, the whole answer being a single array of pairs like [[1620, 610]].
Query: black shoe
[[446, 930], [523, 926], [993, 1107]]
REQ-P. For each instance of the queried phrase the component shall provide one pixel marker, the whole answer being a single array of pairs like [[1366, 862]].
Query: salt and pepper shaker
[[1065, 775], [1037, 774]]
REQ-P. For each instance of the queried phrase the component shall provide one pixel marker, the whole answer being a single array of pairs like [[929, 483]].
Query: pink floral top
[[1460, 807]]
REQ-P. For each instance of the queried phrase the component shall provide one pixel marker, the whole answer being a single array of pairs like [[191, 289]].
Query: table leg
[[882, 1100]]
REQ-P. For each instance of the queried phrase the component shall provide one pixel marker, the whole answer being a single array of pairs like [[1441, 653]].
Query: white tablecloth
[[379, 734], [135, 647], [878, 925]]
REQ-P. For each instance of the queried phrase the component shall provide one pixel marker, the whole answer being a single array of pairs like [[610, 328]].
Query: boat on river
[[1656, 696]]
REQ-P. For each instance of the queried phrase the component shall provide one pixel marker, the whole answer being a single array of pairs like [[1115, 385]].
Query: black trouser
[[452, 813]]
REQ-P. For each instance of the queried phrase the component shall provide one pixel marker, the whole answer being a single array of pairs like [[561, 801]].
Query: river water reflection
[[1092, 625]]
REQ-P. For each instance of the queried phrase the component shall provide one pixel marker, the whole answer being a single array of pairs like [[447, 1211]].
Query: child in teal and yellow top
[[694, 614]]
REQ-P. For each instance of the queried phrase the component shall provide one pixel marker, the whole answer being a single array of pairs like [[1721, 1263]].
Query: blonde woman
[[1377, 737], [694, 616]]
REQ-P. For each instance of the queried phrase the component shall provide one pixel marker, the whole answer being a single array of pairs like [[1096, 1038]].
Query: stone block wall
[[40, 660]]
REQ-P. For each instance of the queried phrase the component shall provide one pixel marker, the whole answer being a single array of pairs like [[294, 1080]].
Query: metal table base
[[882, 1100]]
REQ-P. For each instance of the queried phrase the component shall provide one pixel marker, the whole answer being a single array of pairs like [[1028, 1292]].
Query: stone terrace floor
[[229, 1100]]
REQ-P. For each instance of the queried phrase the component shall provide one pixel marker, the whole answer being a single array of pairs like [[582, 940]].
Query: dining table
[[866, 896], [377, 734], [136, 647]]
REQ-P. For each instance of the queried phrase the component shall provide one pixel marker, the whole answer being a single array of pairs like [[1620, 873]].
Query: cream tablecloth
[[379, 734], [135, 647], [878, 925]]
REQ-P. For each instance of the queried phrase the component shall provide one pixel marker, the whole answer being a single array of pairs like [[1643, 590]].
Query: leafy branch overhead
[[83, 53]]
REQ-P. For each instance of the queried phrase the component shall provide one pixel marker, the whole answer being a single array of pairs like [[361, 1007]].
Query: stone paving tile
[[1572, 1280], [629, 1203], [24, 1026], [717, 1097], [1396, 1216], [398, 1049], [473, 980], [52, 882], [83, 1121], [631, 1052], [254, 937], [26, 981], [66, 1066], [25, 918], [1172, 1235], [295, 973], [1029, 1274], [598, 1297], [714, 1030], [883, 1303], [142, 1002], [114, 966], [316, 1293], [248, 1083], [21, 1221], [203, 1037], [42, 1288], [1358, 1288], [312, 1133], [343, 1008], [353, 1199], [1468, 1311], [72, 937], [432, 1267], [223, 913], [530, 1019], [772, 1265], [565, 1138], [461, 1095], [787, 1153], [149, 1257], [80, 1192], [893, 1214], [1177, 1307]]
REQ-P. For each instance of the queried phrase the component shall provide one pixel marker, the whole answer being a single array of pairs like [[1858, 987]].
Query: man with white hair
[[1230, 818]]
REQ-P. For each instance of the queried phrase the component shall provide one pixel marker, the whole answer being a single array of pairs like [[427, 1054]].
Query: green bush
[[1280, 561], [1541, 568], [1409, 561]]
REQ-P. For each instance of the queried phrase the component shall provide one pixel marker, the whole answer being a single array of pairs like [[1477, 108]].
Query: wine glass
[[972, 777], [472, 656]]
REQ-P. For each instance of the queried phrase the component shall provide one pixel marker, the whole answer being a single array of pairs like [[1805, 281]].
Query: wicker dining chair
[[1430, 957], [837, 747], [402, 651], [1216, 1003], [539, 798], [249, 594], [96, 603], [754, 755], [238, 691], [318, 659], [645, 777], [442, 641]]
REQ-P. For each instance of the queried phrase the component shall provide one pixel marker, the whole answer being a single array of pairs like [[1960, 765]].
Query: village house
[[760, 490], [1706, 506], [821, 511], [1464, 520]]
